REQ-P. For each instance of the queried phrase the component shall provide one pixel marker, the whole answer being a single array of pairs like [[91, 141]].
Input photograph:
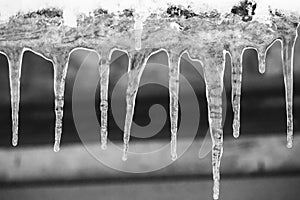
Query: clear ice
[[104, 80], [236, 84], [174, 67], [15, 63], [137, 63], [213, 76], [60, 66], [213, 65], [261, 57], [288, 43]]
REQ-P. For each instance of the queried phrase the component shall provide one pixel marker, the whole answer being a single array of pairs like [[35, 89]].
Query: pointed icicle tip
[[174, 157], [56, 148], [124, 157], [103, 146], [289, 144], [15, 142]]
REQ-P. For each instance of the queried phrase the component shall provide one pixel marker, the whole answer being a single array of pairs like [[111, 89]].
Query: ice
[[15, 63], [174, 66], [137, 63], [261, 57], [60, 65], [288, 43], [214, 89], [138, 30], [236, 84], [104, 79]]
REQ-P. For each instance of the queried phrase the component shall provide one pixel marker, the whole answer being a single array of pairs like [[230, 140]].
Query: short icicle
[[15, 63], [104, 81], [261, 57], [174, 67], [236, 84], [137, 63], [288, 44], [60, 65], [214, 90]]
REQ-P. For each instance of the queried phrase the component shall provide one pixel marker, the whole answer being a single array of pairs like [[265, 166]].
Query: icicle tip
[[15, 142], [174, 156], [124, 157], [103, 146], [56, 148], [289, 144]]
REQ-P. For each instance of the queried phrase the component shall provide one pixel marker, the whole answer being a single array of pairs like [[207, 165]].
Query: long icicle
[[15, 63], [137, 63], [214, 90], [287, 53], [174, 67], [60, 65], [236, 84], [104, 81]]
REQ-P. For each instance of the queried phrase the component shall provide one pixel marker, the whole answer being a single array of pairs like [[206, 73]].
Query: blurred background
[[264, 167]]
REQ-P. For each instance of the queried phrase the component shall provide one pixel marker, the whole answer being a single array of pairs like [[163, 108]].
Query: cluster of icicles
[[137, 62]]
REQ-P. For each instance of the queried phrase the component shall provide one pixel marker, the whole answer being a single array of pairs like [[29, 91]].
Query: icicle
[[174, 66], [137, 63], [15, 62], [214, 89], [287, 53], [60, 65], [236, 84], [104, 78], [261, 57]]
